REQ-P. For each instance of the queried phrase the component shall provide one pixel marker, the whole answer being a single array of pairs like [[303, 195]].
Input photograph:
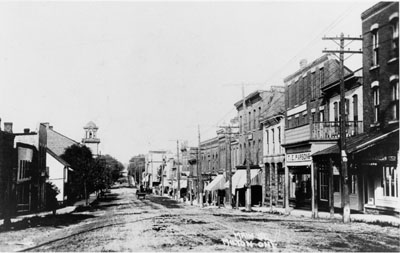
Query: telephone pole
[[199, 176], [228, 163], [247, 156], [178, 171], [342, 140]]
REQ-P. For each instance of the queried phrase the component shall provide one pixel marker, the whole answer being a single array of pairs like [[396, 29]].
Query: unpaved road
[[121, 222]]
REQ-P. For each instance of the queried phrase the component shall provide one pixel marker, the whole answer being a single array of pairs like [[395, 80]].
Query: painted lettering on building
[[298, 157]]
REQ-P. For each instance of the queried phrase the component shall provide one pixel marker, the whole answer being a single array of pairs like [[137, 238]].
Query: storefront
[[299, 165], [274, 180], [373, 180]]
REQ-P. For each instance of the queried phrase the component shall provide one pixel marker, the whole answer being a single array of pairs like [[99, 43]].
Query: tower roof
[[90, 125]]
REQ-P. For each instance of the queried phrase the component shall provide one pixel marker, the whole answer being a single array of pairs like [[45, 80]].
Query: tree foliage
[[90, 174]]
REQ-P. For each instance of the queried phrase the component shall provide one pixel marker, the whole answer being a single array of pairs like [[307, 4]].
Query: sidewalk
[[64, 210], [380, 219]]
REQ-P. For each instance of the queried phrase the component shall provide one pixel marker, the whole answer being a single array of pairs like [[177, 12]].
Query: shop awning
[[216, 184], [239, 179], [359, 143], [183, 184]]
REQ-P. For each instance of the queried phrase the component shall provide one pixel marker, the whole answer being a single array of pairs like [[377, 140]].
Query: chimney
[[26, 130], [46, 124], [8, 127], [303, 63], [51, 127]]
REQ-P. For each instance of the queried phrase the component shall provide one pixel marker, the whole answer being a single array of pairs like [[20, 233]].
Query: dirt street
[[121, 222]]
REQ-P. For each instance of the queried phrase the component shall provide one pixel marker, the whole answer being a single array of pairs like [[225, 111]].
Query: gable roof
[[57, 142], [58, 158]]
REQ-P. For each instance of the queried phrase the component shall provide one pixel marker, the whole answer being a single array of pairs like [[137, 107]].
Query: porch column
[[331, 196], [276, 184], [264, 183], [270, 185], [286, 195], [314, 195]]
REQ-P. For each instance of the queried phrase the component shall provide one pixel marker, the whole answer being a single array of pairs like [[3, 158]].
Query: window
[[324, 188], [273, 140], [240, 125], [321, 116], [297, 93], [302, 90], [279, 135], [254, 119], [313, 85], [336, 111], [375, 47], [249, 120], [353, 184], [395, 99], [347, 109], [395, 35], [321, 79], [355, 108], [336, 183], [375, 93], [390, 181], [267, 136]]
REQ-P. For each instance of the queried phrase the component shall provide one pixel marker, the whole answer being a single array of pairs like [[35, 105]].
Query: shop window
[[353, 184], [323, 186], [390, 182], [336, 183]]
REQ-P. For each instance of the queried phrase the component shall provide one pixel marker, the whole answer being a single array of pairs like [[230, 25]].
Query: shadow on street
[[166, 202], [50, 220]]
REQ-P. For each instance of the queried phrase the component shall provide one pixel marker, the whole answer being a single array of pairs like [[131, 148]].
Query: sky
[[149, 73]]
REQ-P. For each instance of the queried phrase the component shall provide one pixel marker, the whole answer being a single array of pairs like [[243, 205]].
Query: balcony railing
[[331, 130]]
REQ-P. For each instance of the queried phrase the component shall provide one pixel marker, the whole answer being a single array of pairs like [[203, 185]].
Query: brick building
[[305, 111], [378, 159]]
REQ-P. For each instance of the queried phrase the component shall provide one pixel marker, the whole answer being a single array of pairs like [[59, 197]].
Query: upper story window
[[321, 79], [254, 119], [249, 122], [267, 141], [336, 111], [394, 23], [279, 135], [321, 116], [375, 94], [355, 107], [313, 85], [394, 81], [240, 124], [375, 44]]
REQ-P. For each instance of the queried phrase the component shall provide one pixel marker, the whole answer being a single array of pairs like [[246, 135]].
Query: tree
[[81, 160]]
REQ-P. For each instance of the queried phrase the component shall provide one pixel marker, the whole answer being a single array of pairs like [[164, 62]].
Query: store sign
[[299, 157]]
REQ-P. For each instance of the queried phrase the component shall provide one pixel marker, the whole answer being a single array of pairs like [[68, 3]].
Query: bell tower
[[90, 140]]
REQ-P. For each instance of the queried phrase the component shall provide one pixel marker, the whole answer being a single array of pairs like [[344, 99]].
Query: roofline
[[317, 61], [373, 9], [57, 157], [240, 102], [63, 135]]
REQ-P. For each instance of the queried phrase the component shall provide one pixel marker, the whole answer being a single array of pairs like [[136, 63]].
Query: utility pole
[[247, 156], [199, 176], [342, 140], [228, 163], [178, 171]]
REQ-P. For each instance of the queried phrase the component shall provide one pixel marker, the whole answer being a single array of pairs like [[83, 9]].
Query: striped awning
[[217, 184], [239, 179]]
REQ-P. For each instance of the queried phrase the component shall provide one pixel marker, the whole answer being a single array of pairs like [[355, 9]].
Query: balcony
[[331, 130]]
